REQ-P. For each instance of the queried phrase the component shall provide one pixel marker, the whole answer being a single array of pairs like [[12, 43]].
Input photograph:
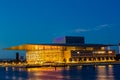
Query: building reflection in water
[[105, 72], [45, 73], [14, 73], [76, 73], [61, 73]]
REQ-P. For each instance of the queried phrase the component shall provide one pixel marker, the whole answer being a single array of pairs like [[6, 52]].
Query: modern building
[[67, 49]]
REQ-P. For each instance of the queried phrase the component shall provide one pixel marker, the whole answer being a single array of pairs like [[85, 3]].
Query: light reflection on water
[[105, 72], [45, 73], [109, 72]]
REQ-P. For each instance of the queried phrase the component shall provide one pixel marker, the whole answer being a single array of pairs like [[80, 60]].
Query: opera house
[[67, 49]]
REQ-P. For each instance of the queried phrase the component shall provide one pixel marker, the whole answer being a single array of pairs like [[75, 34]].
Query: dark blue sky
[[40, 21]]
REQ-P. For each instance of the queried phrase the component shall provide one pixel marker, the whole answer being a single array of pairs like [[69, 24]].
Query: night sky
[[40, 21]]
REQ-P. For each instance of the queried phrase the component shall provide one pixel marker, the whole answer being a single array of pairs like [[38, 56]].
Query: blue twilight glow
[[39, 21]]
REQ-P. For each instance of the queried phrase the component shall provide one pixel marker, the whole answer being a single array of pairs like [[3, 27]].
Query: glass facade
[[38, 54], [68, 49]]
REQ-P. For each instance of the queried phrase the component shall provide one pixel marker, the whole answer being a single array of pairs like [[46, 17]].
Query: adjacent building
[[66, 49]]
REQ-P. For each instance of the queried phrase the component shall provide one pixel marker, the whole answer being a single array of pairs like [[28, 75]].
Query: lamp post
[[119, 48], [108, 48]]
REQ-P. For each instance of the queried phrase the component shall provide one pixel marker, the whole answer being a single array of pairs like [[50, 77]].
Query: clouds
[[85, 29], [81, 30], [100, 27], [97, 28]]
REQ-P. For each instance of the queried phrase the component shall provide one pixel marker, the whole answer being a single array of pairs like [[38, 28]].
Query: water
[[108, 72]]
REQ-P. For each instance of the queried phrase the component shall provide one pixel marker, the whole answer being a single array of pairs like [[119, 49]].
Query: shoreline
[[23, 65]]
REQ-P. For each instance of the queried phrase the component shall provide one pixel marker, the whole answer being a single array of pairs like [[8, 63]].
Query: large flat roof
[[24, 46], [74, 44]]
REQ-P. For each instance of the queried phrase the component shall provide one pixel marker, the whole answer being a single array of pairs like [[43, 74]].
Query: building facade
[[69, 49]]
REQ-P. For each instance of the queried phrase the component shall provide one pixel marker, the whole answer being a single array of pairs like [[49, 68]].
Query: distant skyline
[[40, 21]]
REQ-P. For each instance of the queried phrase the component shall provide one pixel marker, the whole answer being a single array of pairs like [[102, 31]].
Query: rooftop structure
[[67, 49], [70, 40]]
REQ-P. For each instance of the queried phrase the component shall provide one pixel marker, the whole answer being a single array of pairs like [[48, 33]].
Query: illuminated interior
[[69, 49], [38, 54]]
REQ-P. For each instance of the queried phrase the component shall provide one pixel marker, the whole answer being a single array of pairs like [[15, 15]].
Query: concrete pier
[[57, 64]]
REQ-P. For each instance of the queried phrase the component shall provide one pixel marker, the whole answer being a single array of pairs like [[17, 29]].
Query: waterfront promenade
[[57, 64]]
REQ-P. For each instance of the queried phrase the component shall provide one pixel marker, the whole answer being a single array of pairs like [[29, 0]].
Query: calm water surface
[[108, 72]]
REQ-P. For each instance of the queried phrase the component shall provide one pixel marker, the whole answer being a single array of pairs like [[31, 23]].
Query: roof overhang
[[26, 46]]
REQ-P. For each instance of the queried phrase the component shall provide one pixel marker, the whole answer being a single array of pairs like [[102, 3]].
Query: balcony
[[93, 53]]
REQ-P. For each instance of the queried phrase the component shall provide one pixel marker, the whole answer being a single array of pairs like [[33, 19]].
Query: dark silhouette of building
[[17, 56], [117, 57]]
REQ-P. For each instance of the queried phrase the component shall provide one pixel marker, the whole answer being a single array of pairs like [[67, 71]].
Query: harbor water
[[100, 72]]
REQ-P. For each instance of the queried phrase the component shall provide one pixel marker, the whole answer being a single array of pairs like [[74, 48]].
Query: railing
[[94, 53]]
